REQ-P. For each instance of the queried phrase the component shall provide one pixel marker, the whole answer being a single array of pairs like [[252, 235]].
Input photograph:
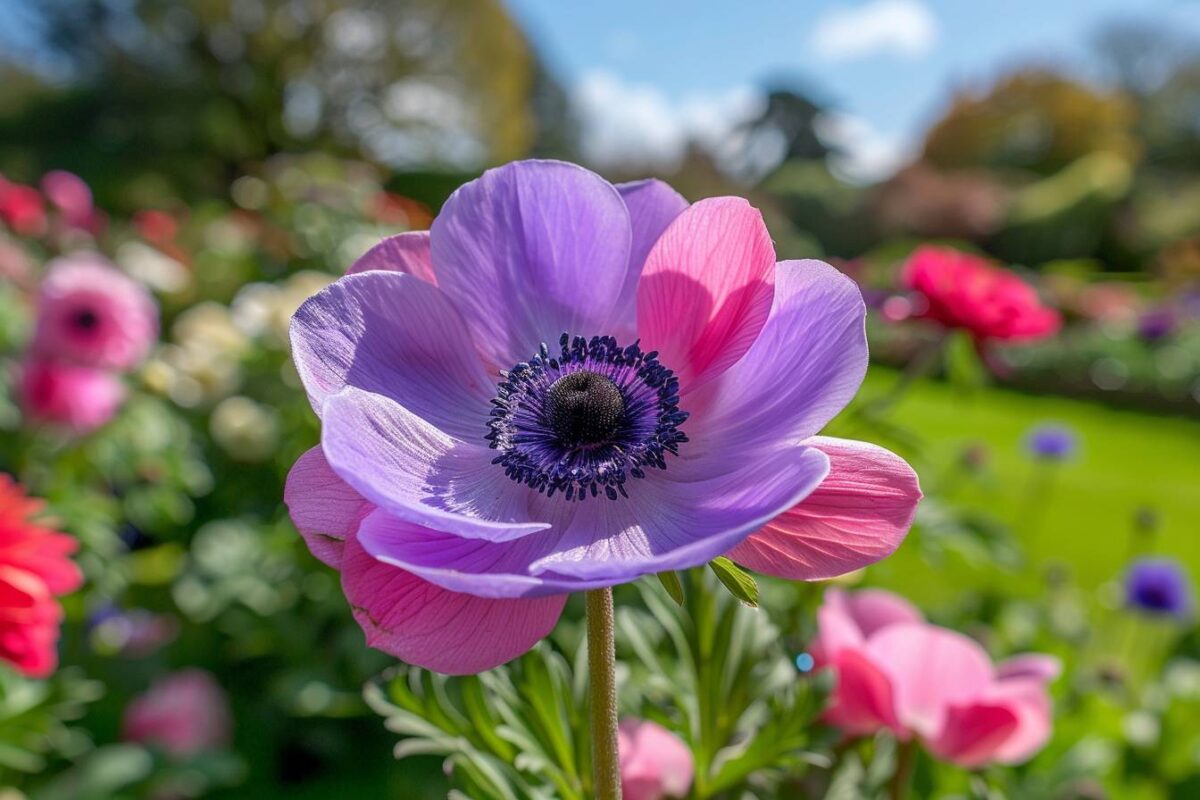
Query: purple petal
[[324, 508], [398, 336], [806, 365], [426, 625], [404, 252], [664, 524], [419, 473], [653, 206], [529, 251]]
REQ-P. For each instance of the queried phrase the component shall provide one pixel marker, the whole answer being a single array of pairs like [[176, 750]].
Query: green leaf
[[741, 584], [670, 581]]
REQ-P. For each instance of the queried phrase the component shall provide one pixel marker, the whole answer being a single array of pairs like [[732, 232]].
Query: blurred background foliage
[[244, 152]]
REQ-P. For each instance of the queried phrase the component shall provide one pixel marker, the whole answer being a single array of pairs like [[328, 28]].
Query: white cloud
[[637, 125], [867, 155], [904, 28]]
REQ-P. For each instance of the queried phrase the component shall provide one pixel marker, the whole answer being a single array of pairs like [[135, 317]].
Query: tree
[[1032, 120], [189, 91]]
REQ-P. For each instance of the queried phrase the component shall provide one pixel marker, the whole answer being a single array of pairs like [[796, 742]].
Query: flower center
[[584, 420], [86, 319], [584, 408]]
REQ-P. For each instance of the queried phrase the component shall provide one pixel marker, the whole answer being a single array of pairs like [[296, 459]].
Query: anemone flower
[[72, 197], [655, 763], [566, 385], [74, 398], [93, 315], [1052, 442], [1159, 587], [183, 714], [968, 292], [921, 681]]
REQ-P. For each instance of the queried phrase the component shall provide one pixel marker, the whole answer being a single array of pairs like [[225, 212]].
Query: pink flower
[[92, 314], [68, 193], [34, 568], [968, 292], [183, 714], [21, 208], [79, 398], [655, 763], [898, 672]]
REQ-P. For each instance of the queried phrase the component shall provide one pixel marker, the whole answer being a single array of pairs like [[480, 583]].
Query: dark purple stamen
[[583, 420], [86, 319]]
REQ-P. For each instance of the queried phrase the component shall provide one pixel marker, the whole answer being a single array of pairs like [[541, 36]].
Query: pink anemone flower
[[655, 763], [898, 672], [92, 314], [183, 714], [566, 385], [80, 399]]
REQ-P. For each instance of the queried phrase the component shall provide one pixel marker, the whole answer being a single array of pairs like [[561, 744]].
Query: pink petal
[[972, 733], [404, 252], [864, 700], [876, 609], [706, 288], [653, 206], [655, 763], [1030, 665], [1027, 699], [931, 669], [836, 627], [425, 625], [323, 507], [857, 516]]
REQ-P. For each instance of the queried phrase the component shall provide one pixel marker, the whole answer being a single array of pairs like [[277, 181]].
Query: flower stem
[[602, 686], [902, 778]]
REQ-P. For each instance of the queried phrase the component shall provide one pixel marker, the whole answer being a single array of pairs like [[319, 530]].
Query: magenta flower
[[92, 314], [78, 398], [896, 671], [655, 763], [566, 385], [183, 714], [67, 192]]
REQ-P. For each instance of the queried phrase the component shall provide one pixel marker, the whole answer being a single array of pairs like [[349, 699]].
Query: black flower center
[[583, 419], [584, 408], [86, 319]]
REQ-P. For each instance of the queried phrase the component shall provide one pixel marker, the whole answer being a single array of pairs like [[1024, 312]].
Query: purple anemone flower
[[1052, 442], [1159, 586], [566, 385]]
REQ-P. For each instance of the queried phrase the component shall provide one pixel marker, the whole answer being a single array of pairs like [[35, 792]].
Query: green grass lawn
[[1079, 514]]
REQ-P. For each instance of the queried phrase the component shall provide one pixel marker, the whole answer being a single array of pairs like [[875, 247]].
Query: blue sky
[[888, 65]]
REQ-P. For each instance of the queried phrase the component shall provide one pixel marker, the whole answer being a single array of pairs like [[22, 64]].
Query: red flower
[[34, 569], [966, 291], [22, 209]]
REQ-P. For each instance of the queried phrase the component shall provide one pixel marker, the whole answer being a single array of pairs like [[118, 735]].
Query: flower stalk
[[602, 688], [902, 778]]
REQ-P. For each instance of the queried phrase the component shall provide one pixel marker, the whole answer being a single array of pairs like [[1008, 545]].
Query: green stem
[[906, 760], [919, 366], [602, 686]]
